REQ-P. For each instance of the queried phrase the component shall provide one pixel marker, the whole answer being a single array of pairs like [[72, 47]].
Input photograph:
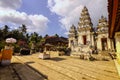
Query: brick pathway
[[69, 68]]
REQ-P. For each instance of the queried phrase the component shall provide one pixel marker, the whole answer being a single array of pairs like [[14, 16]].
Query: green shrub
[[16, 48], [2, 45]]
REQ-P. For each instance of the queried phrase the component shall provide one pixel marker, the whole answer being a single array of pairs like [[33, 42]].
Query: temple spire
[[85, 20], [102, 25], [72, 31]]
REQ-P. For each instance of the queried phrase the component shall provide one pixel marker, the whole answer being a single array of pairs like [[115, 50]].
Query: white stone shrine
[[84, 37]]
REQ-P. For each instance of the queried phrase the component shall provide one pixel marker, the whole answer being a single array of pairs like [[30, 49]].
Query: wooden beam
[[118, 26], [118, 18], [114, 15]]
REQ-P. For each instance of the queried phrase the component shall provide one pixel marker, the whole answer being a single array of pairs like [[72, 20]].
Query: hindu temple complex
[[91, 52], [85, 36]]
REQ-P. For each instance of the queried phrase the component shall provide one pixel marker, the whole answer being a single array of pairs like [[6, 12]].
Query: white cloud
[[34, 23], [39, 23], [13, 17], [70, 10], [10, 4], [62, 7], [71, 18]]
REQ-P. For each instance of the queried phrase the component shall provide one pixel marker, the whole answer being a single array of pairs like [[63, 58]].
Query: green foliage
[[5, 29], [16, 48], [46, 36], [23, 29], [56, 35], [21, 34], [62, 49], [2, 44]]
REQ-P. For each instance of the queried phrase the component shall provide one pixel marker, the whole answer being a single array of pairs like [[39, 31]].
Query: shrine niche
[[84, 39], [104, 43]]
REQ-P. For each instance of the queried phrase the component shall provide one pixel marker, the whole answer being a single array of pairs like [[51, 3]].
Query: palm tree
[[46, 36], [56, 35], [1, 34], [23, 29], [5, 31]]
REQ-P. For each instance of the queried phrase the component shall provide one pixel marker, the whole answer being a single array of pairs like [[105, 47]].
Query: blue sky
[[40, 7], [49, 16]]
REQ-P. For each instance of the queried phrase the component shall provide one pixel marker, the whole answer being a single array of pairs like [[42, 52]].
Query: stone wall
[[117, 38]]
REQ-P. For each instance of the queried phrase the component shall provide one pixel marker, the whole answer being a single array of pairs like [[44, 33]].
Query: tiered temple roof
[[72, 31], [102, 26], [84, 21]]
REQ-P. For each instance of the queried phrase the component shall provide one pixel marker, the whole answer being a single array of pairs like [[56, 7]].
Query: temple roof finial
[[102, 17], [85, 8]]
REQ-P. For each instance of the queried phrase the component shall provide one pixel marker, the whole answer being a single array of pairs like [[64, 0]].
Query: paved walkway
[[19, 71], [65, 68]]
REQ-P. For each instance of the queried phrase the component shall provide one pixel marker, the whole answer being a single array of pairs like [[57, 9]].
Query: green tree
[[5, 31], [23, 29], [46, 36], [27, 37], [56, 35], [16, 34], [34, 37], [1, 35]]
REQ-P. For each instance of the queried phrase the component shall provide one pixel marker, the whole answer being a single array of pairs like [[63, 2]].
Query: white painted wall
[[117, 38]]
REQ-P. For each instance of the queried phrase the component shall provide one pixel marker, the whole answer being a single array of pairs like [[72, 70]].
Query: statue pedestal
[[44, 56]]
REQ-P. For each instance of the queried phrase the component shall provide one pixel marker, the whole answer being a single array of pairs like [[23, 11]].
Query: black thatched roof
[[55, 40]]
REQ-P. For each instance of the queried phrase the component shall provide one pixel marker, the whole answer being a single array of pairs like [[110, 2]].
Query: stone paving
[[19, 71], [70, 68]]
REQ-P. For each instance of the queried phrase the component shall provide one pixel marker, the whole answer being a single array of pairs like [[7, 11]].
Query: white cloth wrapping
[[5, 62]]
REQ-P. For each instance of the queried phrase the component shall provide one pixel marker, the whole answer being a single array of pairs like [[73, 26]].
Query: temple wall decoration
[[103, 42]]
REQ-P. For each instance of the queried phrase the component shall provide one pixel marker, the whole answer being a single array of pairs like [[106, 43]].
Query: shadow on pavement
[[19, 71], [57, 59]]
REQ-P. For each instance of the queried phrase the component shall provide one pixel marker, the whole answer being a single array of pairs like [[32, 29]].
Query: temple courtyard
[[30, 67]]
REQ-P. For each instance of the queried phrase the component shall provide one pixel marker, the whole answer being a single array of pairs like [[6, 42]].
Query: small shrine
[[72, 37], [103, 41]]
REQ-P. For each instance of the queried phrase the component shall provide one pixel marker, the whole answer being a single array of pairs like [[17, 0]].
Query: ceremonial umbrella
[[10, 40]]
